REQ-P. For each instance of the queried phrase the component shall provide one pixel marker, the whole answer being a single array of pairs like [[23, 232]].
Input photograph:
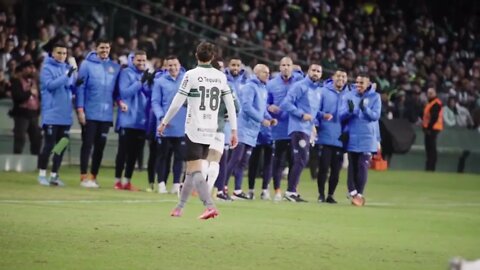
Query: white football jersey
[[204, 87]]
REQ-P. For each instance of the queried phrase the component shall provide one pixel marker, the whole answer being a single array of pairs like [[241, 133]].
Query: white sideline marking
[[84, 201], [439, 204]]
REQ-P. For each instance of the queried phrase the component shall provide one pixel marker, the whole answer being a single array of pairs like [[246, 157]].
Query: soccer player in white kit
[[203, 86]]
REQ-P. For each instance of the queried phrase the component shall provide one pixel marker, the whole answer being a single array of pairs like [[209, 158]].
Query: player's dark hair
[[205, 51], [103, 40], [171, 57], [59, 45], [363, 75]]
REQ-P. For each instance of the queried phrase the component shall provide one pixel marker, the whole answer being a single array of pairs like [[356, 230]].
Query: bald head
[[262, 72]]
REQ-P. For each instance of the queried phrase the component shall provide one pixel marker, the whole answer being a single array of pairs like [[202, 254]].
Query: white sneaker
[[89, 184], [175, 189], [42, 180], [277, 197], [265, 195], [95, 184], [162, 189]]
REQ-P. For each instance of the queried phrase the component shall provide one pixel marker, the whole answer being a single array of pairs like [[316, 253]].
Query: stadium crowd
[[403, 52]]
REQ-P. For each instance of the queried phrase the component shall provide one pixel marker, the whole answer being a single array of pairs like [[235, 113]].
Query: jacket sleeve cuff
[[298, 113]]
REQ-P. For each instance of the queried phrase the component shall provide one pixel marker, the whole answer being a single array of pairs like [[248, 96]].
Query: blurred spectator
[[4, 86], [26, 108], [6, 53], [387, 106], [455, 114]]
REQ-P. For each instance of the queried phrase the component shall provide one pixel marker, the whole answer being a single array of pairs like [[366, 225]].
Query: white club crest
[[302, 143]]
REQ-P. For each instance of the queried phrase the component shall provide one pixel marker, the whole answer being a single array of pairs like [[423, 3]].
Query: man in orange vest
[[432, 125]]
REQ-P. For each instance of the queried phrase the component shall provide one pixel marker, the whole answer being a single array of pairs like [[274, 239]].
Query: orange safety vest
[[426, 115]]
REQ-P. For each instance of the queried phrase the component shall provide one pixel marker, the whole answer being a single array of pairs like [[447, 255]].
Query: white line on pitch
[[386, 204], [83, 201]]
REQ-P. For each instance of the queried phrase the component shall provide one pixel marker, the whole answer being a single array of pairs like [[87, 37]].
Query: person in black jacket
[[26, 108]]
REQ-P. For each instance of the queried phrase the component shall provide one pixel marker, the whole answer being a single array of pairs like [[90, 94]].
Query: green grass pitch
[[412, 220]]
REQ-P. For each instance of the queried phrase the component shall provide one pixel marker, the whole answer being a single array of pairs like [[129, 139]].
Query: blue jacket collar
[[240, 74], [329, 84], [170, 78], [311, 83], [131, 65], [51, 61], [257, 81], [368, 92], [93, 57]]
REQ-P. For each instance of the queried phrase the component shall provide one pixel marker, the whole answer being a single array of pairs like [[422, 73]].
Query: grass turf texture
[[412, 220]]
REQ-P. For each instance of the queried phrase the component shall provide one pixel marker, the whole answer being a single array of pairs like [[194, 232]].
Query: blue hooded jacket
[[253, 111], [163, 92], [135, 95], [329, 131], [264, 136], [56, 89], [151, 127], [277, 91], [96, 94], [303, 98], [361, 124], [237, 82], [227, 130]]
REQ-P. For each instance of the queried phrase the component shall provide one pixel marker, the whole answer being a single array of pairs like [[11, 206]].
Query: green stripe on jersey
[[193, 94]]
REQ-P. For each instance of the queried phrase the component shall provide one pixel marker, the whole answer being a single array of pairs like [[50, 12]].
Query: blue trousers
[[238, 162], [300, 143]]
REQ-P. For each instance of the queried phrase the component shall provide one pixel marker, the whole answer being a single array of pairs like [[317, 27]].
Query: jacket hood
[[167, 76], [370, 90], [93, 57], [310, 82], [256, 81], [51, 61], [330, 85], [240, 73], [159, 73]]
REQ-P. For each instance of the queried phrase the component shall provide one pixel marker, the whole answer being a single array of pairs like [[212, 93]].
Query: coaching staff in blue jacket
[[302, 103], [329, 130], [56, 85], [361, 109], [94, 104], [134, 89]]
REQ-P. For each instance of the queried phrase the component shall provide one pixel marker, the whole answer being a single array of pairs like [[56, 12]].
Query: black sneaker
[[224, 197], [300, 199], [240, 196], [321, 198], [294, 198], [251, 195], [330, 199]]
